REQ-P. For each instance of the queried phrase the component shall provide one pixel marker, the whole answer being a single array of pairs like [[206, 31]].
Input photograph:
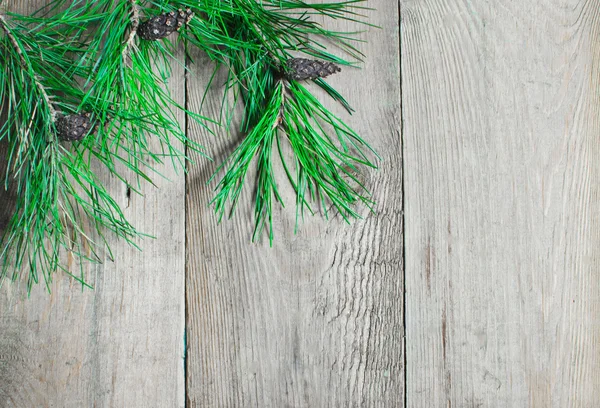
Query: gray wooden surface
[[476, 284], [316, 320], [501, 153]]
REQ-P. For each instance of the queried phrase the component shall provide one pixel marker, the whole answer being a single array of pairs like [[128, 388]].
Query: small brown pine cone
[[164, 25], [73, 127], [300, 69]]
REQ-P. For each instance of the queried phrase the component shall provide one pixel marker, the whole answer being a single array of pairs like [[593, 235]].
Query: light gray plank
[[502, 213], [120, 345], [315, 321]]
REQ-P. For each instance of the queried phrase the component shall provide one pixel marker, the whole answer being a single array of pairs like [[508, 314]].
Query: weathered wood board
[[315, 321], [121, 345], [501, 130]]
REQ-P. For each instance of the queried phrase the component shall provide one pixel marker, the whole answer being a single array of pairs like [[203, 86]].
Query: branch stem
[[135, 23], [36, 78], [280, 121]]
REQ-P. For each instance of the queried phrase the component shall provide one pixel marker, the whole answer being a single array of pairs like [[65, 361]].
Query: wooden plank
[[501, 181], [317, 320], [118, 346]]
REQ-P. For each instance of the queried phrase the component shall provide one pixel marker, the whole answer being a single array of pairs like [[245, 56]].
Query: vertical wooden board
[[502, 217], [317, 320], [122, 344]]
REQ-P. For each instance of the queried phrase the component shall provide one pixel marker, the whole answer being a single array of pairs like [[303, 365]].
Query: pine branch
[[60, 201], [61, 205], [129, 90], [326, 154]]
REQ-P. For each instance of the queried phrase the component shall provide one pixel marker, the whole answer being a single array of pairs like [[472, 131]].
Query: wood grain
[[315, 321], [501, 130], [121, 345]]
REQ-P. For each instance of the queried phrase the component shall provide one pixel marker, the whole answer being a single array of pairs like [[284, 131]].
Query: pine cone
[[302, 68], [73, 127], [163, 25]]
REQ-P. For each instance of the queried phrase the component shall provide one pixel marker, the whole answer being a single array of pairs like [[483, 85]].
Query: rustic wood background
[[476, 284]]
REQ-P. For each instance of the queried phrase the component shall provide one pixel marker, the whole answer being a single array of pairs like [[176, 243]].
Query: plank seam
[[186, 102], [403, 189]]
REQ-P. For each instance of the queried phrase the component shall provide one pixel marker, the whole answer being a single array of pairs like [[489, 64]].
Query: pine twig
[[135, 23], [280, 121], [324, 156], [36, 77]]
